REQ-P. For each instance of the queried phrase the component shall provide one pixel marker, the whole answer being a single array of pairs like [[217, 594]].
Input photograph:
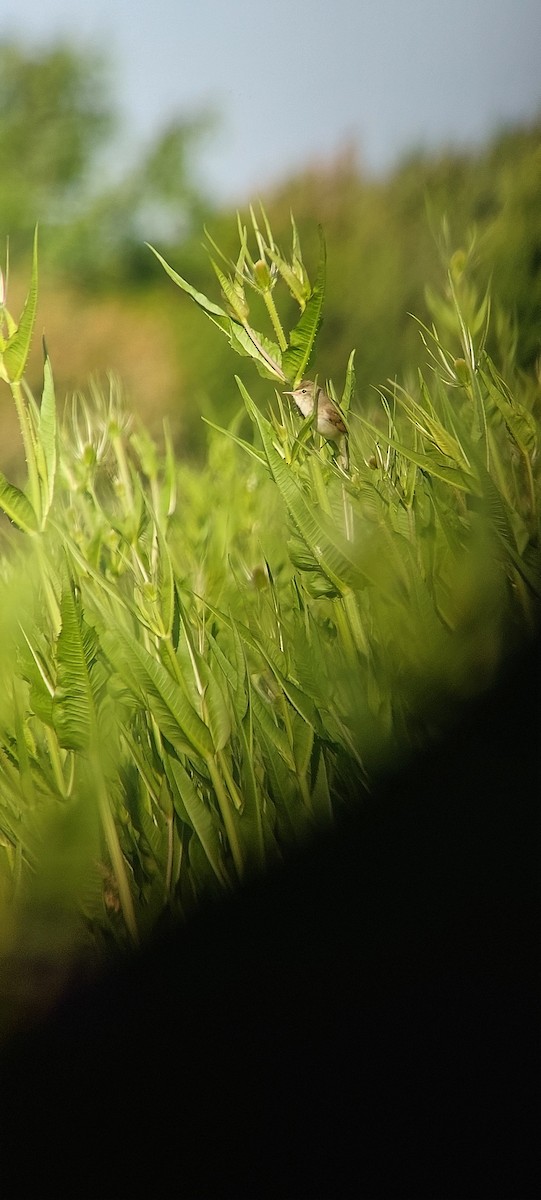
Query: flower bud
[[458, 264], [462, 371], [262, 275]]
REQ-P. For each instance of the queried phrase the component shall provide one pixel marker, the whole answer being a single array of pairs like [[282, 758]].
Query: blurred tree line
[[59, 135], [109, 304]]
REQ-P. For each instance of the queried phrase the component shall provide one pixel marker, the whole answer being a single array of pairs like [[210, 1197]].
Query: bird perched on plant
[[329, 419]]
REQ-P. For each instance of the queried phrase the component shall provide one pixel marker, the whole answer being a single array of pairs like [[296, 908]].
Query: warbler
[[329, 420]]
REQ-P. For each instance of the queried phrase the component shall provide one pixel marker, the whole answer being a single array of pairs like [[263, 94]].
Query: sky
[[295, 81]]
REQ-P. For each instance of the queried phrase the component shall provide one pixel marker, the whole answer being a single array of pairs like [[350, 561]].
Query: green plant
[[203, 667]]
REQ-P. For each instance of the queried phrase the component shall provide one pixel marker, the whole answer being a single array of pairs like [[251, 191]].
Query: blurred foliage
[[54, 115], [203, 666], [104, 247], [59, 136]]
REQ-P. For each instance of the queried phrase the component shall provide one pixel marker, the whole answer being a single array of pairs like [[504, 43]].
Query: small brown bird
[[329, 420]]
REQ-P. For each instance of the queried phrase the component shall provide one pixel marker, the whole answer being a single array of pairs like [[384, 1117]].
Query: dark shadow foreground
[[364, 1023]]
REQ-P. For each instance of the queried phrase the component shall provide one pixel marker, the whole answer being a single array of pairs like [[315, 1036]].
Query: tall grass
[[201, 668]]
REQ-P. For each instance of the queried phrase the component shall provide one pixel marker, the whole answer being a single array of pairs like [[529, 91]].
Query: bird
[[330, 423]]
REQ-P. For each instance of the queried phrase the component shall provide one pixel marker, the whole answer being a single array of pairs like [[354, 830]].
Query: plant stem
[[227, 815], [123, 470], [349, 623]]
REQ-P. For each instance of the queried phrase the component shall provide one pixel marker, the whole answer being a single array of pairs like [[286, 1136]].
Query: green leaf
[[18, 345], [250, 344], [193, 809], [240, 695], [266, 724], [35, 669], [432, 464], [302, 337], [207, 305], [17, 506], [321, 797], [233, 292], [169, 705], [293, 815], [500, 515], [74, 712], [430, 427], [255, 453], [303, 742], [217, 712], [250, 824], [349, 385], [297, 698], [242, 339], [26, 777], [520, 423], [165, 580], [235, 672]]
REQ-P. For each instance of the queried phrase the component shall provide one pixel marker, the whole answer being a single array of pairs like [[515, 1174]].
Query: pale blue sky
[[294, 80]]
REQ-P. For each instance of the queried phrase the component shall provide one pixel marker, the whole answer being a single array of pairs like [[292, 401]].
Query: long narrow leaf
[[74, 712], [199, 815], [462, 479], [207, 305], [520, 423], [349, 385], [302, 338], [251, 823], [244, 340], [18, 345], [215, 706]]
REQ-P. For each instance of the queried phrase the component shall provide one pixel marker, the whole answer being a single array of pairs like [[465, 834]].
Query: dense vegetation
[[202, 666], [205, 662]]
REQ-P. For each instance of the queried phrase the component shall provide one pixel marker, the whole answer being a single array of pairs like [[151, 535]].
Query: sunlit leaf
[[17, 506], [302, 338], [216, 709], [18, 345], [207, 305], [74, 711], [174, 714], [199, 816]]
